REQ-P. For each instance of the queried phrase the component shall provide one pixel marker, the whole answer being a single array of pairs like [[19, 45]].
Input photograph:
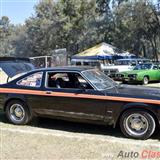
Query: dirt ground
[[48, 139]]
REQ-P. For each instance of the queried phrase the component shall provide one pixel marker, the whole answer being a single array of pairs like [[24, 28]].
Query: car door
[[71, 102], [158, 73], [155, 73]]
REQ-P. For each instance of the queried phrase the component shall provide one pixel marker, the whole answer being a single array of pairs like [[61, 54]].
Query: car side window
[[66, 80], [33, 80]]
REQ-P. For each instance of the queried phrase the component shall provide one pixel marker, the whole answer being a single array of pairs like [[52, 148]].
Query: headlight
[[119, 75], [132, 76]]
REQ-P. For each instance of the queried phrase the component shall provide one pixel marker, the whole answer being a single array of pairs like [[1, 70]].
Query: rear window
[[14, 68]]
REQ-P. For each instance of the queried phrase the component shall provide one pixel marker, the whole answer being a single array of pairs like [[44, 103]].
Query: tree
[[6, 30], [63, 24], [77, 25], [136, 28], [19, 40]]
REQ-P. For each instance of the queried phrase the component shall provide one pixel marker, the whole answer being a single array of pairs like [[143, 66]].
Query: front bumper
[[126, 79]]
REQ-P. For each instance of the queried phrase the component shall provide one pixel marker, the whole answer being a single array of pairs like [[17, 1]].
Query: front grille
[[131, 76], [120, 75], [110, 71]]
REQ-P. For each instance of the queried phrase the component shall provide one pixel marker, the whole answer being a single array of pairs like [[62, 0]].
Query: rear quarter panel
[[2, 99]]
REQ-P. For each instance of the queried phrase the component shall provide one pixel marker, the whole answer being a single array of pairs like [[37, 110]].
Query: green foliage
[[132, 25], [137, 28], [6, 30], [62, 24]]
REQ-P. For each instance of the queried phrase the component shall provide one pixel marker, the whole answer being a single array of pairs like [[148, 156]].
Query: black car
[[81, 94]]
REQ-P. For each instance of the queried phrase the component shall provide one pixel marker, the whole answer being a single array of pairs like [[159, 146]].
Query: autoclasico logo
[[144, 154]]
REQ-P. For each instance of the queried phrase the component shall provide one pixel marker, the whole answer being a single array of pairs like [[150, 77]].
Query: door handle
[[48, 92]]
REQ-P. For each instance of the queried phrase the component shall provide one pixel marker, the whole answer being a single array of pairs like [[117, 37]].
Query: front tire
[[17, 112], [137, 124], [145, 80], [124, 82]]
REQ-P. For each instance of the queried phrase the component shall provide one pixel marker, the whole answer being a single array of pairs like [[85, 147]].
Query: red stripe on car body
[[75, 95]]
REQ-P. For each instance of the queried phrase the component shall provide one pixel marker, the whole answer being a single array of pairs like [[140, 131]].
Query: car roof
[[14, 59], [65, 68], [129, 59]]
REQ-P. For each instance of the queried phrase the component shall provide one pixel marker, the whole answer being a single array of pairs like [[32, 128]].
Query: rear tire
[[137, 124], [17, 112]]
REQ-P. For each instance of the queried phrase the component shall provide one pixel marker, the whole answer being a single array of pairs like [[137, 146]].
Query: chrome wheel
[[17, 113], [136, 124]]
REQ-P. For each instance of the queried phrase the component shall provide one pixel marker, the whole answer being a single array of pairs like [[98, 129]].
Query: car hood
[[133, 72], [134, 91]]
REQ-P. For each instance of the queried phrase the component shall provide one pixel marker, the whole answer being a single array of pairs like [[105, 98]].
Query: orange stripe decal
[[74, 95]]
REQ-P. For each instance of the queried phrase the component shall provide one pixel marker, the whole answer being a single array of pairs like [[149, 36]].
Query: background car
[[142, 73], [122, 65]]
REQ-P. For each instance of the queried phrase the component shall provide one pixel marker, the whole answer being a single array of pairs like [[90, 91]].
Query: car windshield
[[143, 67], [99, 79]]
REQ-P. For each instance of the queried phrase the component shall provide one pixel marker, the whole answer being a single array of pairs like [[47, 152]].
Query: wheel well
[[147, 76], [136, 108], [12, 99]]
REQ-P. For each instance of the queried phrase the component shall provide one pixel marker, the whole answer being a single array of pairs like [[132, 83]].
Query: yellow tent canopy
[[101, 51]]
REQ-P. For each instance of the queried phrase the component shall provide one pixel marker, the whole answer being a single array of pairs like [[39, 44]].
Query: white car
[[122, 65]]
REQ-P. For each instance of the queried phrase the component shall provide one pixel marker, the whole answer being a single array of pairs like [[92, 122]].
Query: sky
[[19, 10]]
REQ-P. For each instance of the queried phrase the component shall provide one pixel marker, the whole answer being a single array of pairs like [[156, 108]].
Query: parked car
[[122, 65], [142, 73], [81, 94]]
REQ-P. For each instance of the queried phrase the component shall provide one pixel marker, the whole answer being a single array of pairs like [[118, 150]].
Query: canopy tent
[[102, 51]]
